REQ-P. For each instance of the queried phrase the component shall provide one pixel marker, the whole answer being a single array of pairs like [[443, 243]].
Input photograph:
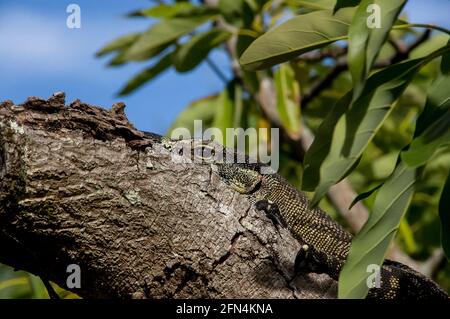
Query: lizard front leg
[[272, 211], [308, 259]]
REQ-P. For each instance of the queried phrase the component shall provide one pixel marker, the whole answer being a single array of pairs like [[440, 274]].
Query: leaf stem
[[422, 25], [217, 71], [308, 4], [248, 32]]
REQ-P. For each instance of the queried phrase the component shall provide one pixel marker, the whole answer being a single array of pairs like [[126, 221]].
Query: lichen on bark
[[80, 185]]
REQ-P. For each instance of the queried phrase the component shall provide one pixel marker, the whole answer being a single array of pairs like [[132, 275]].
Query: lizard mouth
[[204, 152], [241, 179], [243, 188]]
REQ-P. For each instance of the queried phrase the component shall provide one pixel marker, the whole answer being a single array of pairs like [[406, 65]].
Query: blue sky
[[39, 55]]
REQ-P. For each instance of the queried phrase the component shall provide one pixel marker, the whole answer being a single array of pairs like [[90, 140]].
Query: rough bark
[[80, 185]]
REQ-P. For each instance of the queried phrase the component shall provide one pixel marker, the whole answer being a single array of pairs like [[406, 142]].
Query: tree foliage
[[376, 99]]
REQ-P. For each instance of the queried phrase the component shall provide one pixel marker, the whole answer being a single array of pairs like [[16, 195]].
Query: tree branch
[[402, 53], [80, 185], [342, 194], [217, 71], [318, 87]]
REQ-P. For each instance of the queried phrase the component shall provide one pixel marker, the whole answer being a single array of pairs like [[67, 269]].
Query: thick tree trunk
[[80, 185]]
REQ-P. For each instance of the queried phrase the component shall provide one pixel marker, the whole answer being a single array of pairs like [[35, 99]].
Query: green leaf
[[197, 49], [345, 4], [365, 41], [445, 63], [224, 117], [364, 195], [444, 204], [430, 45], [203, 110], [148, 74], [238, 106], [347, 130], [288, 96], [433, 125], [120, 58], [256, 5], [231, 8], [237, 12], [119, 44], [425, 146], [164, 10], [162, 33], [370, 245], [175, 10], [243, 42], [320, 148], [37, 287], [13, 282], [382, 166], [312, 4], [436, 105], [298, 35]]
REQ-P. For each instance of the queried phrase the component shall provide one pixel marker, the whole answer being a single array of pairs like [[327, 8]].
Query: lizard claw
[[310, 260], [271, 210], [301, 259], [262, 204]]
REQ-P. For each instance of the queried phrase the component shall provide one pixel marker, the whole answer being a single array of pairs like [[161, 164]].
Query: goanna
[[325, 243]]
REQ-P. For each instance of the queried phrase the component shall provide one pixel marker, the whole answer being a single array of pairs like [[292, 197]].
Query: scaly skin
[[325, 242]]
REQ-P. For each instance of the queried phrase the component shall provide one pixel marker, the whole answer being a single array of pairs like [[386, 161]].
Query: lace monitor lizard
[[325, 243]]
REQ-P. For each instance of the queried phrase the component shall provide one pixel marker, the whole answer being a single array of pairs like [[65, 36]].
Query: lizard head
[[234, 168], [241, 177]]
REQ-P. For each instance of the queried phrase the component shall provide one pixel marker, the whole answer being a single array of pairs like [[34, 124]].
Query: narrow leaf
[[121, 58], [433, 125], [425, 146], [231, 8], [238, 106], [119, 43], [161, 33], [224, 117], [203, 109], [237, 12], [445, 63], [345, 4], [444, 214], [346, 131], [320, 148], [364, 195], [164, 10], [288, 97], [175, 10], [148, 74], [370, 28], [298, 35], [370, 245], [256, 5], [312, 4], [197, 49]]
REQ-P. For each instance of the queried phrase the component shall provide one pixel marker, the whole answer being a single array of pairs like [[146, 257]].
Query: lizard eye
[[204, 152]]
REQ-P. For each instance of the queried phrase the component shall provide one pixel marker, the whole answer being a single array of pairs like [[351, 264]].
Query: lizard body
[[325, 243]]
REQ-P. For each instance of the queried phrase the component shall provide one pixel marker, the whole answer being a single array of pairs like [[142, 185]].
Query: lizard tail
[[399, 281]]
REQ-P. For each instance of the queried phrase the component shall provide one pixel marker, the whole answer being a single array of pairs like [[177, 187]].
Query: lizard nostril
[[204, 152]]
